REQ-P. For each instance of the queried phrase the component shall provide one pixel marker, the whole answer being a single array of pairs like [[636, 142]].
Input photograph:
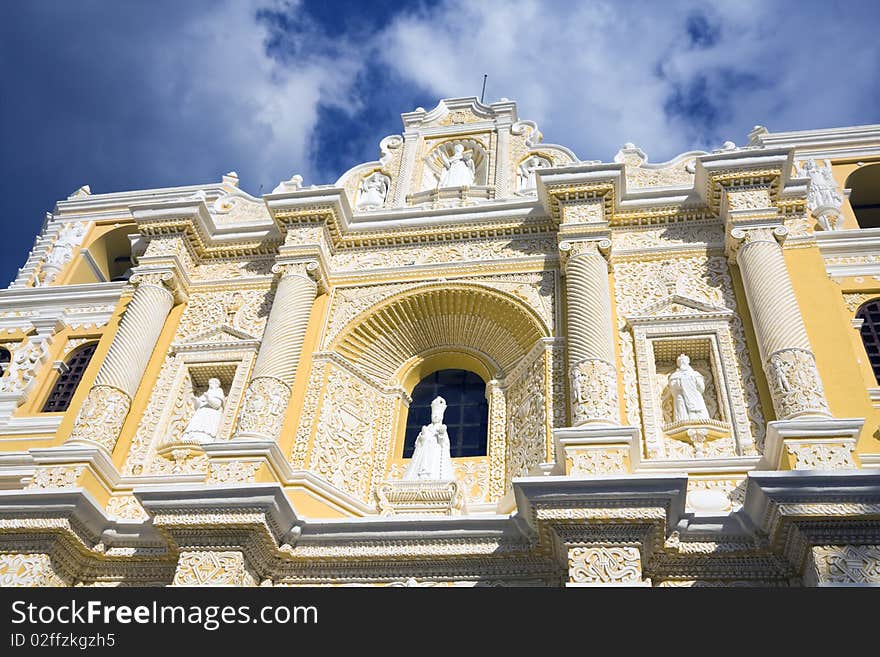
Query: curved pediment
[[460, 153]]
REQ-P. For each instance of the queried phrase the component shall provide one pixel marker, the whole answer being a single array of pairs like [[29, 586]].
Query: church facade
[[478, 360]]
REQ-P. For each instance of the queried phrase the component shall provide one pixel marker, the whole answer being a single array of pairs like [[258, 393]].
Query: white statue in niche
[[687, 386], [526, 181], [372, 192], [459, 168], [824, 199], [205, 422], [431, 459]]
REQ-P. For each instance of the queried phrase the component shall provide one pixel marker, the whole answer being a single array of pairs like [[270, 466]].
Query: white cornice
[[857, 244], [821, 139], [108, 203]]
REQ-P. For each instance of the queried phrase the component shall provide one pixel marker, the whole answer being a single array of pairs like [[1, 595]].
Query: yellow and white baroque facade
[[569, 287]]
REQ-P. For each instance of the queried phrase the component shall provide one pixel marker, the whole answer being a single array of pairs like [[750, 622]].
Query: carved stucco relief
[[847, 564], [537, 290], [527, 418], [347, 433], [446, 252], [604, 565], [245, 310], [210, 568], [670, 235], [224, 270], [28, 570], [641, 284]]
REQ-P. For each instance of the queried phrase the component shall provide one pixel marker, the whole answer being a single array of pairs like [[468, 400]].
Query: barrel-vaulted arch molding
[[459, 317]]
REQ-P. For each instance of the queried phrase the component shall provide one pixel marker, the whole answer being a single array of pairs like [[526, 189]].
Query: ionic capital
[[740, 237], [168, 280], [595, 247], [310, 270]]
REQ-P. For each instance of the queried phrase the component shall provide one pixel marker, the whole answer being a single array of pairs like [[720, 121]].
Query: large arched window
[[869, 313], [68, 380], [865, 196], [467, 411]]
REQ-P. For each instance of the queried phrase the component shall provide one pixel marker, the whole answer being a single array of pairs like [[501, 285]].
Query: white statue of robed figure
[[526, 180], [687, 386], [372, 192], [205, 422], [431, 458], [458, 169]]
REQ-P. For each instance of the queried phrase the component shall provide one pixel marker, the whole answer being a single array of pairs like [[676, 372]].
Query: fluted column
[[104, 411], [786, 355], [591, 359], [268, 393]]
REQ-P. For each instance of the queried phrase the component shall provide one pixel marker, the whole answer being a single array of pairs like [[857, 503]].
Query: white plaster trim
[[851, 243], [815, 430], [21, 426], [90, 261], [869, 461], [63, 301], [825, 138], [727, 465]]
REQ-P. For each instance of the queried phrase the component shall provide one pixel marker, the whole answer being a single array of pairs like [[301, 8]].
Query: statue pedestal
[[180, 450], [420, 497], [697, 432]]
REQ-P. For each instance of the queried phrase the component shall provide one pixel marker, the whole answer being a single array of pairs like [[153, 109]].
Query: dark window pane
[[870, 332], [467, 411], [65, 386]]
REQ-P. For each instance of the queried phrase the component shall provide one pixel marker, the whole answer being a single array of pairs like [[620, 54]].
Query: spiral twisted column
[[786, 355], [591, 360], [268, 393], [103, 413]]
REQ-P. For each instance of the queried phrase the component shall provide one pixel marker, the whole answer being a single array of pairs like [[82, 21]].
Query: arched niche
[[472, 148], [362, 380], [106, 257], [865, 195]]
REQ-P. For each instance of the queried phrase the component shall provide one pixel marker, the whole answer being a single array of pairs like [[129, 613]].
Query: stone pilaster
[[268, 393], [590, 333], [103, 413], [794, 381]]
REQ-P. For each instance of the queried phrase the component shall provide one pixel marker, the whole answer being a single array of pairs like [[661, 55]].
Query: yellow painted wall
[[829, 328]]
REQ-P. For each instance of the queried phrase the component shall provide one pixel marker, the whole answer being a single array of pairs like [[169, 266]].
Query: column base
[[815, 443], [595, 449]]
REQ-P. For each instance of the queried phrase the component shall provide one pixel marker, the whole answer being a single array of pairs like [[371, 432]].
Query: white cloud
[[598, 74], [263, 111]]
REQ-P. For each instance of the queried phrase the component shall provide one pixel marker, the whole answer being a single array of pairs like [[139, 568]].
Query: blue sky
[[123, 94]]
